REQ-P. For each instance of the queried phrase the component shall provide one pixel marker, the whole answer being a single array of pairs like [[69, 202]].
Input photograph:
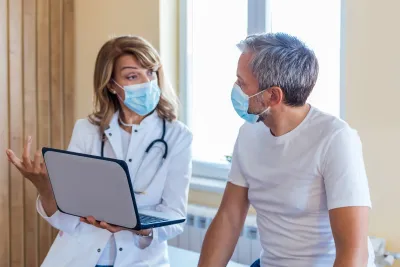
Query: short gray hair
[[282, 60]]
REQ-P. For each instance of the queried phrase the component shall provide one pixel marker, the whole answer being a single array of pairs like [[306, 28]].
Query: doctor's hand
[[112, 228], [91, 220], [35, 171]]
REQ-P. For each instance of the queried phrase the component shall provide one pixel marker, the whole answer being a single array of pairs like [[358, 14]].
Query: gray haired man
[[301, 169]]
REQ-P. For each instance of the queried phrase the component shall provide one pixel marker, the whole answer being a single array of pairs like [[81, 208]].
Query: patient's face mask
[[141, 98], [240, 102]]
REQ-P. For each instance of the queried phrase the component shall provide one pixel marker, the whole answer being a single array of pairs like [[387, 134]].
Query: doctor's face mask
[[136, 87], [141, 98]]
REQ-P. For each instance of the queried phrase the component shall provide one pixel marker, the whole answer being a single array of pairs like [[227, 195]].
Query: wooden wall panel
[[16, 131], [36, 99], [43, 100], [56, 90], [4, 139], [30, 123], [69, 71]]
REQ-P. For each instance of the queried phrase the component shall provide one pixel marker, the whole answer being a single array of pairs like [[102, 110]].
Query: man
[[300, 168]]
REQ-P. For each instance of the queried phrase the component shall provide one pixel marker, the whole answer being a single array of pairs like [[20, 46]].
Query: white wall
[[96, 22]]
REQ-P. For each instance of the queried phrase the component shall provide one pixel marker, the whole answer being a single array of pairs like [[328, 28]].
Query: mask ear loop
[[256, 94], [117, 84], [115, 92]]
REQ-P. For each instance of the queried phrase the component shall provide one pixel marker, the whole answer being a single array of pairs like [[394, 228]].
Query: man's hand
[[350, 231]]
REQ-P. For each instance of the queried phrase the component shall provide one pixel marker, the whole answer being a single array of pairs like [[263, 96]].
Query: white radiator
[[248, 248]]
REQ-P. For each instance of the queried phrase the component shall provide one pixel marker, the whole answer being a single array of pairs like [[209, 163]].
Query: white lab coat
[[79, 244]]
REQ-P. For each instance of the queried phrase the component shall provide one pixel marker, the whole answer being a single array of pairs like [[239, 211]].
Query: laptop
[[86, 185]]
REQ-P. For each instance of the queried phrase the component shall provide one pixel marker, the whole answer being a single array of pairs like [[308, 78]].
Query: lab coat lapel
[[113, 134]]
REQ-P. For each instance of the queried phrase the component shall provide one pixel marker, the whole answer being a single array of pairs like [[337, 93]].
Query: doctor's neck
[[285, 119], [128, 117]]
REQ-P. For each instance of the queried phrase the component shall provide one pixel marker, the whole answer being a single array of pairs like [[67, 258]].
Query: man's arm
[[224, 231], [348, 198], [350, 231]]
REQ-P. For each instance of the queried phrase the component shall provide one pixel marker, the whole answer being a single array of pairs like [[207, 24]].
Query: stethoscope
[[149, 147]]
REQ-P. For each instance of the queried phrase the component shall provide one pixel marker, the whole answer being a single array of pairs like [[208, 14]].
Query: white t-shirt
[[294, 180], [110, 250]]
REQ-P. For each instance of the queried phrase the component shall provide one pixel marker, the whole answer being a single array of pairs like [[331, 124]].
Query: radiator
[[247, 250]]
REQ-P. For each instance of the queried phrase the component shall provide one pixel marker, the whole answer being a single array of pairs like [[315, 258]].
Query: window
[[317, 23], [210, 30]]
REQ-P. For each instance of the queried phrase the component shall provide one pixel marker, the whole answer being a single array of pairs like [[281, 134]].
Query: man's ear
[[274, 95]]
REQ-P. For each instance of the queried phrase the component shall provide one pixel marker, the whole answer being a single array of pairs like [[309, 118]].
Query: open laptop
[[86, 185]]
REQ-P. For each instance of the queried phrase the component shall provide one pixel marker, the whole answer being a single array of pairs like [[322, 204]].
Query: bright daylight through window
[[212, 30]]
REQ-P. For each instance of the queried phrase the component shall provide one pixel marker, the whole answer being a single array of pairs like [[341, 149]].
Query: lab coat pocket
[[149, 168], [64, 249]]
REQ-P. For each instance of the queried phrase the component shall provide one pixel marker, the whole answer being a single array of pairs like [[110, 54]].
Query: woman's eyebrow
[[129, 67]]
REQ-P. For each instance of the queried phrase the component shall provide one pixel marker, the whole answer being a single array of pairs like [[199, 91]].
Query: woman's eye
[[151, 73], [132, 77]]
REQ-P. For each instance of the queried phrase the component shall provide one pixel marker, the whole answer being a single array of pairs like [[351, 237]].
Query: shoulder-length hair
[[106, 103]]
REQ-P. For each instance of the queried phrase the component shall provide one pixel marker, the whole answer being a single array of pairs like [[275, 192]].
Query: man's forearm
[[351, 259], [219, 242]]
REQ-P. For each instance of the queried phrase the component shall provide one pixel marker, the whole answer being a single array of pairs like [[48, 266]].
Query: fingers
[[107, 227], [37, 162], [93, 221], [83, 219], [136, 232], [43, 168], [111, 228], [145, 232], [14, 159], [26, 160]]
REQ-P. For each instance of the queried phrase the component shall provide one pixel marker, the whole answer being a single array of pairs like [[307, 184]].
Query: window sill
[[208, 184]]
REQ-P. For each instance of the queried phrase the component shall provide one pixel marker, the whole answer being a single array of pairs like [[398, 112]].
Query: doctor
[[134, 120]]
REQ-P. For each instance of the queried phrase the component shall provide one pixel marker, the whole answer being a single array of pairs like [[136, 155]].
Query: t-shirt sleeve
[[236, 174], [345, 178]]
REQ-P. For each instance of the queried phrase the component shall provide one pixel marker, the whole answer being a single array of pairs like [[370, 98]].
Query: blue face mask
[[240, 102], [142, 98]]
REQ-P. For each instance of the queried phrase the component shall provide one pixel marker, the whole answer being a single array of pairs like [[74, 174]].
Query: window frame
[[259, 20]]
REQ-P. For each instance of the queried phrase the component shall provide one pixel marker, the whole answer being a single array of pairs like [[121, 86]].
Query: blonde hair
[[106, 103]]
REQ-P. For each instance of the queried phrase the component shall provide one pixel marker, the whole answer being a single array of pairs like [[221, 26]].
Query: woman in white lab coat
[[133, 107]]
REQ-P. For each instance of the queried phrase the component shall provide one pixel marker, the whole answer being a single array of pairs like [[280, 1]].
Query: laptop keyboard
[[146, 219]]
